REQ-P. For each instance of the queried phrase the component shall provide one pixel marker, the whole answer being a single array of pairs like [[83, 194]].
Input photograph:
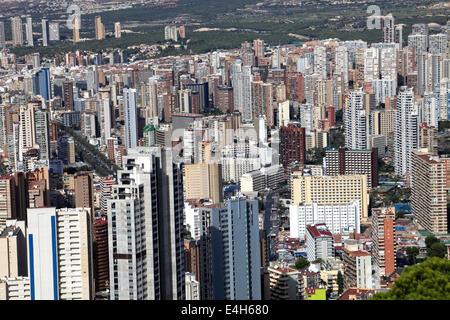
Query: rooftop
[[319, 231], [355, 293]]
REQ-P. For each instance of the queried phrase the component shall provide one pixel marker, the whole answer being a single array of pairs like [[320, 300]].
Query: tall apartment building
[[357, 269], [242, 90], [429, 175], [230, 252], [74, 251], [42, 128], [398, 34], [106, 184], [388, 28], [292, 145], [29, 31], [428, 139], [99, 28], [2, 35], [54, 31], [321, 62], [7, 199], [204, 181], [262, 101], [437, 43], [13, 249], [130, 117], [383, 236], [382, 122], [259, 49], [42, 84], [171, 33], [348, 162], [406, 131], [319, 242], [371, 64], [59, 254], [325, 190], [100, 254], [357, 122], [76, 28], [17, 31], [68, 95], [419, 42], [45, 33], [84, 190], [295, 86], [117, 30], [145, 228]]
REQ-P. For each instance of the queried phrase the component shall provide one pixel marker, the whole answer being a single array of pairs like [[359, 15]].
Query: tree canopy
[[301, 264], [428, 280], [435, 248], [412, 253]]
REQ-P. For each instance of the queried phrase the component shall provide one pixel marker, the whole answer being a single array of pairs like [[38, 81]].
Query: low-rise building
[[283, 283], [357, 269], [319, 242]]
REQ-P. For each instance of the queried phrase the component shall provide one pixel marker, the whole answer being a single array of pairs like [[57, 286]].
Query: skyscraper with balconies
[[383, 236], [428, 191], [357, 122], [406, 131], [145, 228], [17, 31]]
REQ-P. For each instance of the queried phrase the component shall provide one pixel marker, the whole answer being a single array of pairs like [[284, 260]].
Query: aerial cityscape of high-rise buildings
[[317, 170]]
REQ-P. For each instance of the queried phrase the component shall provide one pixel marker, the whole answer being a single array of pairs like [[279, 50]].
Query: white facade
[[338, 218], [242, 84], [59, 254], [438, 43], [74, 254], [171, 33], [15, 288], [383, 88], [29, 32], [406, 131], [193, 223], [364, 269], [192, 287], [320, 62], [341, 60], [371, 64], [356, 122], [307, 117], [431, 109], [283, 113], [319, 243], [130, 116], [42, 254]]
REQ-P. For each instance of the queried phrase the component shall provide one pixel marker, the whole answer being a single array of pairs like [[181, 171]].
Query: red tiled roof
[[317, 233]]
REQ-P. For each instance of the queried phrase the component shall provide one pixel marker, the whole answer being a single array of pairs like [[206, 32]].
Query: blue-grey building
[[234, 250], [42, 84]]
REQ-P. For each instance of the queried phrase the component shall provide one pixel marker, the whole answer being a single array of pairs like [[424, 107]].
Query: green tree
[[319, 260], [412, 253], [261, 205], [437, 249], [301, 264], [340, 282], [428, 280], [430, 240]]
